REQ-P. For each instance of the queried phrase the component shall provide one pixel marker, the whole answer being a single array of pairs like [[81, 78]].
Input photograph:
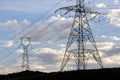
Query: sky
[[49, 33]]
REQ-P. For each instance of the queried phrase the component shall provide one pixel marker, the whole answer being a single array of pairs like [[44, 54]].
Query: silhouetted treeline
[[98, 74]]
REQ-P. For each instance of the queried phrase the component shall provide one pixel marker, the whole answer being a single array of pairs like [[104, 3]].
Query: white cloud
[[25, 22], [100, 5], [110, 55], [58, 30], [115, 38], [9, 44], [103, 36], [49, 59], [36, 67], [10, 69], [52, 57], [108, 52], [20, 51], [105, 45], [115, 59], [112, 38], [14, 24], [114, 17], [116, 1], [49, 51]]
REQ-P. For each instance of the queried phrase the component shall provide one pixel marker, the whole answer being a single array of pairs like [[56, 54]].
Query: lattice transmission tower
[[25, 42], [81, 42]]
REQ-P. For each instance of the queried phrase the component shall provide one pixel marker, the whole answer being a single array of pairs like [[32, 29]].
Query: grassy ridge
[[101, 74]]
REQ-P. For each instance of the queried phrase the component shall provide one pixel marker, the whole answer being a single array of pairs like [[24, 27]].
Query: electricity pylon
[[81, 42], [25, 42]]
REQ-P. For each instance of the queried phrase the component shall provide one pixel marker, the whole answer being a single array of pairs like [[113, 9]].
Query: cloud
[[105, 45], [25, 22], [113, 51], [114, 17], [50, 59], [9, 44], [59, 29], [116, 1], [100, 5], [48, 55], [10, 69], [103, 36], [107, 48], [14, 24], [115, 59], [36, 67], [115, 38], [109, 53], [20, 51]]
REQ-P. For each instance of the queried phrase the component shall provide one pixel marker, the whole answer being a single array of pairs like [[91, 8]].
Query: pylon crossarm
[[66, 9]]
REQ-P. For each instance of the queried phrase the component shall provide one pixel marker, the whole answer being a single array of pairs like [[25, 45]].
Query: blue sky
[[19, 17], [25, 5]]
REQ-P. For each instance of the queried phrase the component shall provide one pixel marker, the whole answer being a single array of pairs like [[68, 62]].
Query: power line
[[96, 28], [9, 49], [11, 53], [36, 20], [33, 23], [46, 27], [10, 61]]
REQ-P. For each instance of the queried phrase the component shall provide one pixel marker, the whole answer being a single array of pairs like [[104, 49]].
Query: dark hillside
[[100, 74]]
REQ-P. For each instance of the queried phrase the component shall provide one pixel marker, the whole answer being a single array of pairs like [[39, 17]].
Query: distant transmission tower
[[81, 42], [25, 41]]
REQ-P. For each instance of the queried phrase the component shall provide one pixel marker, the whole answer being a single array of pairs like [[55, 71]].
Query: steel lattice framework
[[81, 42], [25, 42]]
